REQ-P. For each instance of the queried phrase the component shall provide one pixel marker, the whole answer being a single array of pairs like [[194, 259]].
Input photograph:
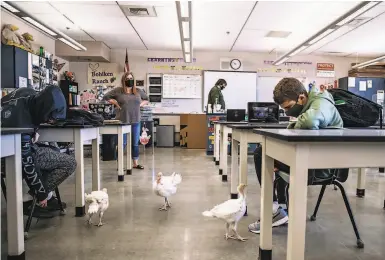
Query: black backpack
[[81, 117], [356, 111]]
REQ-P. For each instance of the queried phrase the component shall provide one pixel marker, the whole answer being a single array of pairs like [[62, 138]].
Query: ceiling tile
[[303, 19], [211, 21]]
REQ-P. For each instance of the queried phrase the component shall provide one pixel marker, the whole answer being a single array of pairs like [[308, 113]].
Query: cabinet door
[[21, 65], [7, 67]]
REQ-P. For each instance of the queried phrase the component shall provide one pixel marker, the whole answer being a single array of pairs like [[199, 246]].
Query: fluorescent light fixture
[[186, 29], [322, 35], [187, 57], [298, 50], [187, 46], [40, 26], [70, 44], [357, 13], [368, 63], [184, 8], [281, 61], [9, 7]]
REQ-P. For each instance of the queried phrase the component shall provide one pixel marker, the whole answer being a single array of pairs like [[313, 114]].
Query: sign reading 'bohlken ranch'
[[102, 73]]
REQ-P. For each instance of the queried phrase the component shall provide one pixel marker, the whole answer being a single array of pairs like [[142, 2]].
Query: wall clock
[[235, 64]]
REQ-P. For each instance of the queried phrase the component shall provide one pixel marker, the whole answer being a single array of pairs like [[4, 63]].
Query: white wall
[[40, 39], [211, 61]]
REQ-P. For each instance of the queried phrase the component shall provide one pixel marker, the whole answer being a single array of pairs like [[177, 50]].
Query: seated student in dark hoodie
[[43, 168], [314, 110]]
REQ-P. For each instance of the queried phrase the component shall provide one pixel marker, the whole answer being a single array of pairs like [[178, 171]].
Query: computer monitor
[[263, 112], [235, 115]]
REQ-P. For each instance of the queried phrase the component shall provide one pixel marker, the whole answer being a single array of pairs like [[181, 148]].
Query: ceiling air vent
[[357, 21], [136, 10], [277, 34]]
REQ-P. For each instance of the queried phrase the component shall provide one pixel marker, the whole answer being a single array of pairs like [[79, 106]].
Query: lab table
[[225, 130], [78, 135], [303, 150], [242, 135], [11, 151], [120, 129]]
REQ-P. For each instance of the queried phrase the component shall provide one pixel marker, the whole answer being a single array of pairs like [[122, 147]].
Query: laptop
[[235, 115], [267, 112]]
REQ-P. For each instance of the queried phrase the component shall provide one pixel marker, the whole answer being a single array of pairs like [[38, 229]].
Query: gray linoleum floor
[[135, 229]]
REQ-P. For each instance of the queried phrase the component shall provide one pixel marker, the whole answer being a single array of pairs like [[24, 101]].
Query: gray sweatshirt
[[129, 103]]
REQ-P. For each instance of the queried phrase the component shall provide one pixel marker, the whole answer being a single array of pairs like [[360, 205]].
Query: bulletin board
[[182, 86]]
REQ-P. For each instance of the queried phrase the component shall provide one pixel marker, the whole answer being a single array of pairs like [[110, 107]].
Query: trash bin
[[109, 145]]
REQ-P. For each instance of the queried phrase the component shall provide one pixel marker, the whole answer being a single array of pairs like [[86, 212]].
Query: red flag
[[126, 65]]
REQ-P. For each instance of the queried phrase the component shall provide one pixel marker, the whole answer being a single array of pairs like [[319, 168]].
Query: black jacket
[[25, 107]]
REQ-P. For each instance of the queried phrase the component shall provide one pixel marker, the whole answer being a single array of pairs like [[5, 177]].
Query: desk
[[77, 135], [224, 135], [11, 150], [120, 129], [303, 150], [217, 134], [242, 135]]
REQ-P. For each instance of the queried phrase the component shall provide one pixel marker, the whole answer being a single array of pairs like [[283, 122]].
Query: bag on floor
[[355, 111], [81, 117]]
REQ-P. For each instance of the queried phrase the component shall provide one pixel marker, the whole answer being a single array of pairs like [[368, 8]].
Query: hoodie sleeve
[[31, 173], [312, 118]]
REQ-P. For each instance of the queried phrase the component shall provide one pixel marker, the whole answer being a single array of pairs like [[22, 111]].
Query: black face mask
[[222, 87], [129, 83], [295, 110]]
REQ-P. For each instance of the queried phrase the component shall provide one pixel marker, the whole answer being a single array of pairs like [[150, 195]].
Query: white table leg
[[79, 183], [361, 180], [265, 242], [15, 203], [120, 155], [297, 202], [129, 151], [243, 153], [216, 143], [224, 153], [234, 177], [222, 150], [95, 164]]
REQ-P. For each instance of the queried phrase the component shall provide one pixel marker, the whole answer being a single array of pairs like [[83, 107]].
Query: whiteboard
[[266, 85], [241, 87], [182, 86], [178, 106]]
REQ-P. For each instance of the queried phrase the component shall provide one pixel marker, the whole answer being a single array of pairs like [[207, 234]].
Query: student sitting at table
[[313, 110], [44, 167]]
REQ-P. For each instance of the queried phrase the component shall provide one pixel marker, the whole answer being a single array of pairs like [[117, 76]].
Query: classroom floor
[[135, 228]]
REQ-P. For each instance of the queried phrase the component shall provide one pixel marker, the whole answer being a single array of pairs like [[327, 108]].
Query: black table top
[[116, 124], [325, 135], [65, 126], [230, 122], [260, 125], [14, 130]]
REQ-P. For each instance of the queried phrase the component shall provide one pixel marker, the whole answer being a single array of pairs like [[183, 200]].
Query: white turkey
[[165, 186], [231, 212], [97, 202]]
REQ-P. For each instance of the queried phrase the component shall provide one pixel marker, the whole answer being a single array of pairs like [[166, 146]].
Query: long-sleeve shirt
[[215, 95], [129, 103]]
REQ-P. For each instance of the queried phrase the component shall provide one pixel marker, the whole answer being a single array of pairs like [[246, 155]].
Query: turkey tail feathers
[[208, 214], [177, 178]]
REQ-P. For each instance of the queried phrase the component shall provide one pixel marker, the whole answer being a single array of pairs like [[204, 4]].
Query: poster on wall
[[102, 73], [325, 70]]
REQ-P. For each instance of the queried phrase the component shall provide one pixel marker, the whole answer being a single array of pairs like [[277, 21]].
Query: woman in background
[[128, 100]]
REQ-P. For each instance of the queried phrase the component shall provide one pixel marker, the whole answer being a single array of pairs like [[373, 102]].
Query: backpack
[[355, 111], [81, 117]]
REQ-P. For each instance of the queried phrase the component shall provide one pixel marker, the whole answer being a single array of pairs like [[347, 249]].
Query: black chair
[[34, 201], [339, 177]]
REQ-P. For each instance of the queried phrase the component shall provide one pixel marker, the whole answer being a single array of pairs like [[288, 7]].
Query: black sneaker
[[53, 204]]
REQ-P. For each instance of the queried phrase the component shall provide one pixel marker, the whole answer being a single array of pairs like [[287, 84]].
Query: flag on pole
[[126, 65]]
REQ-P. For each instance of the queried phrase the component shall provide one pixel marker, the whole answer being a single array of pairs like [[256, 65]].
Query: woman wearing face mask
[[128, 100]]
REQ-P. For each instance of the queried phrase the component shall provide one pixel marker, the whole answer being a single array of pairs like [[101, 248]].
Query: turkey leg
[[234, 228], [89, 221], [227, 236], [168, 204], [165, 206], [100, 219]]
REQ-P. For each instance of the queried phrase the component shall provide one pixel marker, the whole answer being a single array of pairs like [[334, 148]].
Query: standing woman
[[128, 100]]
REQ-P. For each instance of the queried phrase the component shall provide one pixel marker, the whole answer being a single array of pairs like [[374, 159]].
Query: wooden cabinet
[[193, 131]]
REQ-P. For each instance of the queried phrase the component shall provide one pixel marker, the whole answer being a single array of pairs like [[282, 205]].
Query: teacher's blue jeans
[[135, 135]]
